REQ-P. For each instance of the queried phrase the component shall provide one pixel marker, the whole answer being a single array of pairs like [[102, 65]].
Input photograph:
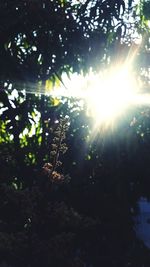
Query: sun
[[109, 94]]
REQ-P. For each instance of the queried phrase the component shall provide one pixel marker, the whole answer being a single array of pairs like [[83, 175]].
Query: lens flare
[[110, 94]]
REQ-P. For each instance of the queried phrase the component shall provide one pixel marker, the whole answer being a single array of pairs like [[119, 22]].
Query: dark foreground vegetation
[[79, 213], [66, 200]]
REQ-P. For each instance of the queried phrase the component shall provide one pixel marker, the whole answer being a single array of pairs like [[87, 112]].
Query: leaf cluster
[[38, 39]]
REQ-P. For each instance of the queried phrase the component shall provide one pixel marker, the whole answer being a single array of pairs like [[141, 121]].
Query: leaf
[[146, 10], [93, 12], [130, 3], [123, 7], [57, 82], [48, 86], [119, 32], [4, 98], [63, 2], [120, 4], [56, 101]]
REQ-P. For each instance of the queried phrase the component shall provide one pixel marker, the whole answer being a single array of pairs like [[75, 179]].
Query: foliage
[[38, 39], [87, 221], [72, 224]]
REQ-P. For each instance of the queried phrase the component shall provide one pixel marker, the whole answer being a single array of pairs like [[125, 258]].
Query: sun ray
[[108, 94]]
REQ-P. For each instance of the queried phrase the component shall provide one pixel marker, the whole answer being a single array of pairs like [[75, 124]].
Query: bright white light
[[108, 96]]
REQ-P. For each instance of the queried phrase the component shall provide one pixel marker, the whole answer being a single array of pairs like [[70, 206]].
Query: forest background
[[65, 199]]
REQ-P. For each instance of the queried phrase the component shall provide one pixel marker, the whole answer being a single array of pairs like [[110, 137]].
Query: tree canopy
[[42, 38], [68, 200]]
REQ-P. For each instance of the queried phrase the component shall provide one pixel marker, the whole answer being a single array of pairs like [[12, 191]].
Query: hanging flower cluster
[[57, 147]]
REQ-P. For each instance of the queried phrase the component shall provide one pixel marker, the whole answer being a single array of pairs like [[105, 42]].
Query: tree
[[87, 221], [42, 39]]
